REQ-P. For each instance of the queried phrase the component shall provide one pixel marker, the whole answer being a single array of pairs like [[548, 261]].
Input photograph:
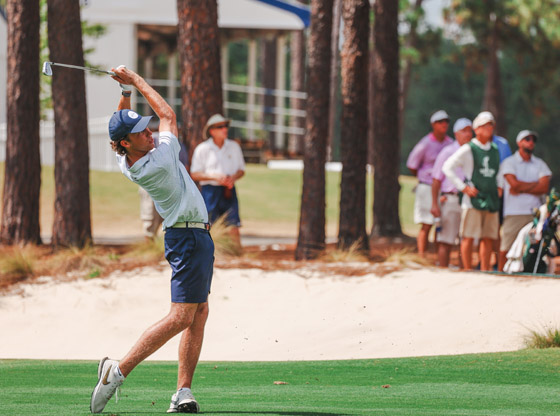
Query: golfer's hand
[[123, 75], [470, 191]]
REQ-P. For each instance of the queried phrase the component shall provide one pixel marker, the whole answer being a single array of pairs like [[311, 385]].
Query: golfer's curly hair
[[117, 147]]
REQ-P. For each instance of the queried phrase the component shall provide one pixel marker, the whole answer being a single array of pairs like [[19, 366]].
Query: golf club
[[47, 68]]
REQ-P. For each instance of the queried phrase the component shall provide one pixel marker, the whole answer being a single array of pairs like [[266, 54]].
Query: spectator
[[445, 197], [217, 163], [480, 161], [525, 179], [421, 162]]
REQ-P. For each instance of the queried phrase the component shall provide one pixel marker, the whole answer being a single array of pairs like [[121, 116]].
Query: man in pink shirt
[[445, 197], [421, 162]]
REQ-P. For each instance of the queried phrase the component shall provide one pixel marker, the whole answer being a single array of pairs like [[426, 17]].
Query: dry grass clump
[[549, 338], [406, 257], [353, 253], [17, 263], [150, 250], [224, 243]]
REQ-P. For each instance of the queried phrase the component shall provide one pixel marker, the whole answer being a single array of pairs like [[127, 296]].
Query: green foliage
[[517, 383]]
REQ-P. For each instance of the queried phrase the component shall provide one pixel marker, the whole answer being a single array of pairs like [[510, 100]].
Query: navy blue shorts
[[190, 253], [218, 204]]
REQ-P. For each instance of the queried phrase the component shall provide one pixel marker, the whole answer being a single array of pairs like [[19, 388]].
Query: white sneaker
[[183, 402], [108, 382]]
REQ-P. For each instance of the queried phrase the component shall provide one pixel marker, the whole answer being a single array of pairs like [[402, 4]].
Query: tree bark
[[493, 92], [297, 77], [334, 82], [199, 52], [269, 82], [405, 73], [22, 178], [354, 124], [72, 219], [386, 153], [311, 238]]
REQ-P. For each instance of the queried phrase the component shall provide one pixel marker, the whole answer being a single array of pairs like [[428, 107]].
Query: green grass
[[517, 383], [266, 196]]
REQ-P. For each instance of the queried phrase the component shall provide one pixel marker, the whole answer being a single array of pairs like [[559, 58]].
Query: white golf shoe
[[109, 380], [183, 402]]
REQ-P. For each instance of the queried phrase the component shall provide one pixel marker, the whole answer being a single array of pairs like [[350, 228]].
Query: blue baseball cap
[[124, 122]]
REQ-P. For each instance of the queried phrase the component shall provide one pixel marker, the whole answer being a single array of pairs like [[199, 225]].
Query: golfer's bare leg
[[422, 239], [180, 317], [190, 346], [485, 253], [466, 252]]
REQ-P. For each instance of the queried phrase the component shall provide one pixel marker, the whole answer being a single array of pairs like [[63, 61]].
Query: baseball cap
[[215, 119], [483, 118], [124, 122], [461, 123], [525, 133], [438, 116]]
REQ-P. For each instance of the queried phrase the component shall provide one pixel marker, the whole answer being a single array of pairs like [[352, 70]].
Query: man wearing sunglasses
[[525, 179], [217, 163]]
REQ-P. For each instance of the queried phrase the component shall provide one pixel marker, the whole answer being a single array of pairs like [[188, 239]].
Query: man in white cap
[[445, 197], [525, 179], [218, 163], [480, 161], [421, 162]]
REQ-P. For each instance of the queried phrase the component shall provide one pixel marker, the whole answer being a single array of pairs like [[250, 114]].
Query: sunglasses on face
[[222, 126], [529, 138]]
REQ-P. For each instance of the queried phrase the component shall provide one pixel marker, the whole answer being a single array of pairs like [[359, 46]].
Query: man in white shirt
[[217, 163], [525, 179], [480, 161]]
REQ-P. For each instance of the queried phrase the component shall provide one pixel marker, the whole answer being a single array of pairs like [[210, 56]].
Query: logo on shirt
[[133, 115], [486, 170]]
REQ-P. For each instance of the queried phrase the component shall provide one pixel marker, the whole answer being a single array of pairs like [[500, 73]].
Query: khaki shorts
[[423, 204], [450, 220], [479, 224], [511, 227]]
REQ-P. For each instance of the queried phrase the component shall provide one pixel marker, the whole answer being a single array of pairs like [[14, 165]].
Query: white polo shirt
[[175, 195], [525, 171], [210, 159]]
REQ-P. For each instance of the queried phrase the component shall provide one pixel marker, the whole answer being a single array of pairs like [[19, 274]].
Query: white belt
[[201, 225]]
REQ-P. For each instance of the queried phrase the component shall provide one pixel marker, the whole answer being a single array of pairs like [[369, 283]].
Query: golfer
[[188, 246]]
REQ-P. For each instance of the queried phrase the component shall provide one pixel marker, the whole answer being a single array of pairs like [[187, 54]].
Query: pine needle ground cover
[[518, 383]]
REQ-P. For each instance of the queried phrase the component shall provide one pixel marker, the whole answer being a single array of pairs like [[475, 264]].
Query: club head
[[47, 69]]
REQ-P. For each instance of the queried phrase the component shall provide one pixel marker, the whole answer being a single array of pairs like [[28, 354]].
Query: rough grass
[[353, 253], [545, 338], [224, 244]]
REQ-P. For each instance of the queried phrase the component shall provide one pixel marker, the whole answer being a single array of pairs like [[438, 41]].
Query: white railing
[[101, 157]]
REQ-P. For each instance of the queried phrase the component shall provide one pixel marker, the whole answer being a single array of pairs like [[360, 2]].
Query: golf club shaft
[[83, 68]]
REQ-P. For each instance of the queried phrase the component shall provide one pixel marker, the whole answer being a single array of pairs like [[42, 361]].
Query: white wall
[[116, 47]]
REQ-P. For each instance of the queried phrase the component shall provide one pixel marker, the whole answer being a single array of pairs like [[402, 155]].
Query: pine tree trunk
[[493, 92], [334, 83], [22, 178], [199, 52], [311, 238], [354, 124], [269, 82], [385, 74], [297, 79], [72, 219]]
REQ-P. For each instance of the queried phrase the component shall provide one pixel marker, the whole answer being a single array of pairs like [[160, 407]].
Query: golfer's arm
[[167, 118], [238, 175], [124, 103]]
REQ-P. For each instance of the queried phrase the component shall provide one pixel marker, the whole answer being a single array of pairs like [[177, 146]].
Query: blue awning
[[300, 10]]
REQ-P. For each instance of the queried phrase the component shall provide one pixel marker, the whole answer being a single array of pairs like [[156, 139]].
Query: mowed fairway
[[518, 383]]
